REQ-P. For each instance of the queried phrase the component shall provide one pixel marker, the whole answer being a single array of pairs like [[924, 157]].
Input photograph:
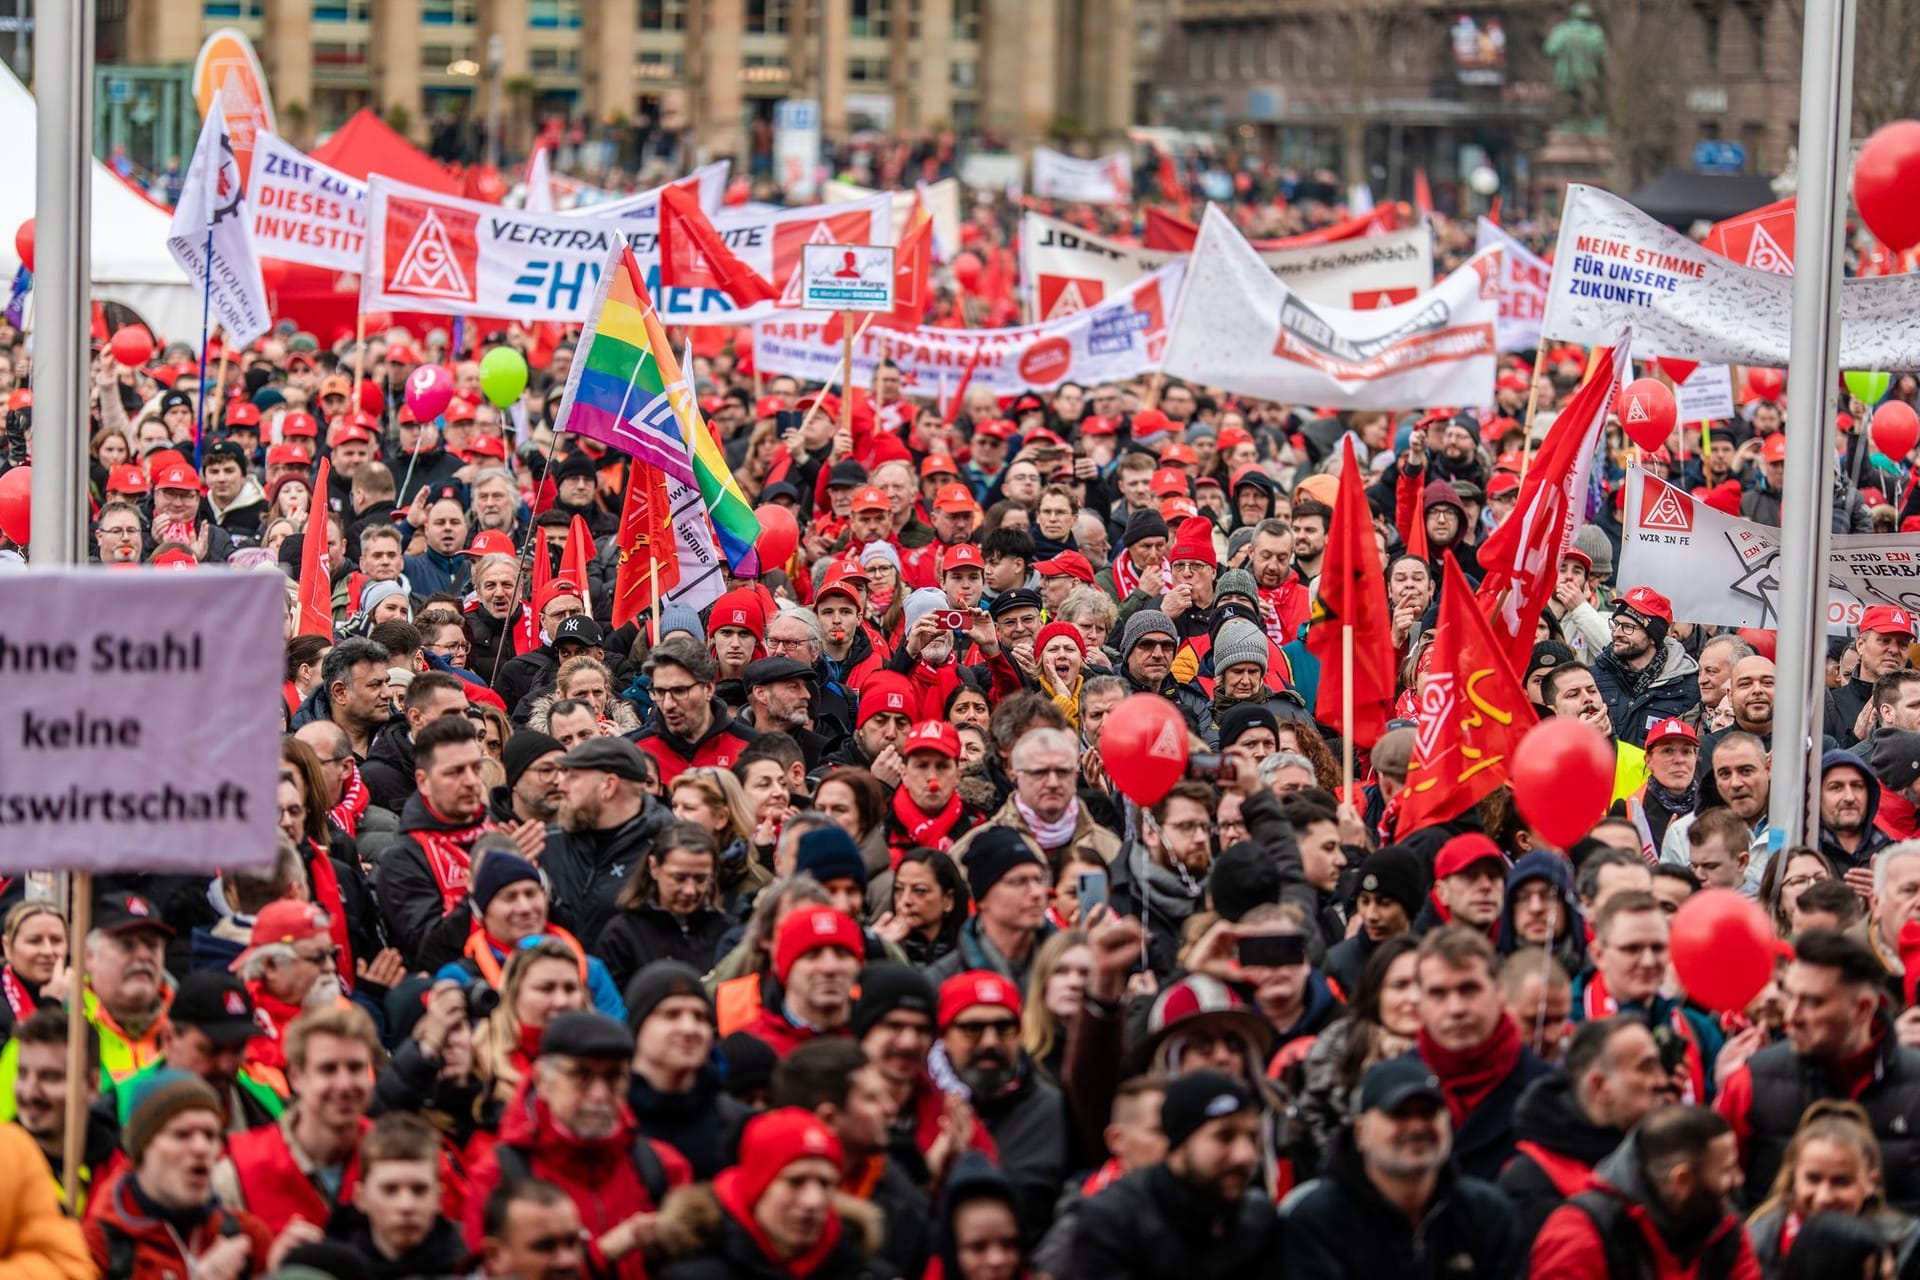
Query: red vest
[[277, 1191]]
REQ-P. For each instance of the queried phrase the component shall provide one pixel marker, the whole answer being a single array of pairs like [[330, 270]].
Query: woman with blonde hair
[[35, 973], [544, 978], [589, 680], [1832, 1165], [1052, 998], [712, 800]]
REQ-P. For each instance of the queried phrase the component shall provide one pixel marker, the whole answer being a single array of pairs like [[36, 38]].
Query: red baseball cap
[[488, 447], [350, 432], [1179, 455], [1512, 380], [126, 478], [1649, 603], [288, 455], [769, 407], [1512, 460], [962, 555], [1670, 730], [955, 499], [841, 582], [299, 424], [1230, 437], [1575, 553], [243, 414], [937, 464], [1150, 422], [1166, 482], [1887, 619], [1502, 482], [995, 429], [1068, 564], [462, 411], [1096, 425], [1463, 851], [283, 922], [1774, 448], [1175, 508], [21, 398], [488, 542], [932, 735], [870, 498], [975, 988], [176, 475], [178, 558]]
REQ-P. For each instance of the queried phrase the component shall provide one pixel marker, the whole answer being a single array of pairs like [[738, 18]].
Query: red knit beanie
[[1053, 629], [887, 691], [1194, 541], [738, 608], [775, 1139], [810, 928]]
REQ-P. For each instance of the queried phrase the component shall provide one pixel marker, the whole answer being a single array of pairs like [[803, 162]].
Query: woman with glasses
[[1787, 876]]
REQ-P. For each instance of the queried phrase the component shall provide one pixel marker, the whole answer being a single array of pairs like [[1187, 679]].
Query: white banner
[[941, 200], [1242, 329], [1066, 269], [1105, 180], [1706, 395], [1523, 288], [1122, 337], [209, 236], [429, 252], [1720, 570], [644, 206], [305, 211], [1615, 265]]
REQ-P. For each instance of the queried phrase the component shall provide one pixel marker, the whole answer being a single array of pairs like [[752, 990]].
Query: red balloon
[[1767, 384], [779, 536], [966, 270], [1562, 779], [373, 397], [1886, 184], [1143, 747], [131, 346], [1722, 949], [1896, 429], [16, 516], [1647, 412], [1762, 641], [23, 244]]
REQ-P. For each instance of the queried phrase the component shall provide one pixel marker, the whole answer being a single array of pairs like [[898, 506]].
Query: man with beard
[[289, 967], [1644, 677], [817, 955], [1196, 1211], [1750, 690], [689, 725], [1716, 661], [1469, 886], [1659, 1202], [1570, 1121], [175, 514], [1396, 1201], [1147, 645], [1896, 900], [978, 1057], [887, 707], [531, 1231], [210, 1025], [388, 772], [780, 700], [1896, 702], [1742, 771], [1629, 954], [1470, 1042], [1886, 633], [675, 1091], [1849, 801], [567, 1125], [869, 519], [604, 826], [352, 692], [302, 1166], [125, 998], [1280, 578], [532, 791], [1570, 690], [1009, 883], [422, 878], [1136, 576], [441, 567], [1310, 523]]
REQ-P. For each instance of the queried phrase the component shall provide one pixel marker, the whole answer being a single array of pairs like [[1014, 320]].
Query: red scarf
[[1596, 1002], [1466, 1078], [1126, 578], [726, 1189], [325, 883], [924, 828], [273, 1016], [449, 857], [354, 798], [19, 999]]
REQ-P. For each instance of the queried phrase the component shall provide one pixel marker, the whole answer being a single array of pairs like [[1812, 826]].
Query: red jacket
[[1570, 1247], [718, 748], [935, 685], [600, 1176], [128, 1245], [277, 1191], [773, 1028]]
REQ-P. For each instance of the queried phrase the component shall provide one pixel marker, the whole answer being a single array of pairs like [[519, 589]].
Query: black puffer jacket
[[388, 771], [1557, 1148], [1152, 1225], [635, 938], [410, 898], [587, 868]]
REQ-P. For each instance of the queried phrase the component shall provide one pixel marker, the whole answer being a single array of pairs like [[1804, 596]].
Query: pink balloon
[[429, 391]]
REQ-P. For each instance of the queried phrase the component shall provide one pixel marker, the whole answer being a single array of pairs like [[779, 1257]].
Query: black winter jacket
[[1151, 1225], [1555, 1140], [587, 868]]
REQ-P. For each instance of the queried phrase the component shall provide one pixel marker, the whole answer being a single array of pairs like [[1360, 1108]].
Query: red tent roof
[[366, 145]]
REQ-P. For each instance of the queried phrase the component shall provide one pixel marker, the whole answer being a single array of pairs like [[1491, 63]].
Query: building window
[[229, 10], [966, 19], [551, 61], [446, 13], [962, 75], [554, 15], [768, 17], [663, 15], [656, 65], [869, 19]]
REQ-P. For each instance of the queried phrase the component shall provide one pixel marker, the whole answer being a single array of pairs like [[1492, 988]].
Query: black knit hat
[[750, 1063], [993, 853], [1396, 873], [659, 981], [498, 869], [887, 987], [1243, 877], [1145, 524], [1242, 716], [522, 749]]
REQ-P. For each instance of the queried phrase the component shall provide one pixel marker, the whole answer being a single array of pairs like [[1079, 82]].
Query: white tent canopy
[[131, 264]]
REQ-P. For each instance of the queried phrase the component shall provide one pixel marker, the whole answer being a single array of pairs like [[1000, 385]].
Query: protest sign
[[1067, 269], [856, 278], [210, 239], [429, 252], [305, 211], [1720, 570], [109, 760], [1105, 179], [1121, 337], [1240, 328], [1706, 395], [1523, 288], [1615, 265]]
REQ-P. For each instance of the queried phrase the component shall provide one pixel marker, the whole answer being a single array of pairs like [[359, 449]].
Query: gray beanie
[[677, 617], [1239, 641], [1238, 539], [1236, 582], [921, 603], [1592, 540], [1147, 622]]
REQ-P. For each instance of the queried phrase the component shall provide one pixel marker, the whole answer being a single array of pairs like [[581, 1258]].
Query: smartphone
[[1090, 891], [1212, 767], [1272, 950], [953, 619]]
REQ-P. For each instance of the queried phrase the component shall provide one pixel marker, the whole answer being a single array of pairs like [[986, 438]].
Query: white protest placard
[[855, 277], [140, 719], [1706, 395], [1523, 287], [1616, 266], [1720, 570], [1066, 269], [1104, 179], [1242, 329], [305, 211], [709, 180]]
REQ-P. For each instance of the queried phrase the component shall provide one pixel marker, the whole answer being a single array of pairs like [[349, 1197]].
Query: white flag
[[539, 197], [209, 237]]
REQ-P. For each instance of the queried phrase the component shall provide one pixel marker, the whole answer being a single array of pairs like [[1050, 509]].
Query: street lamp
[[496, 58]]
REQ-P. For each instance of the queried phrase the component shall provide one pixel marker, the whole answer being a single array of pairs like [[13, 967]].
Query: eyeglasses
[[675, 692], [459, 647], [1000, 1029], [1187, 829], [584, 1076], [1046, 773], [121, 531], [775, 643], [1156, 646], [1231, 831], [295, 811], [325, 958], [1802, 881]]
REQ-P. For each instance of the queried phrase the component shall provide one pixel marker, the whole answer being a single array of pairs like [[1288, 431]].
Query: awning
[[1679, 198]]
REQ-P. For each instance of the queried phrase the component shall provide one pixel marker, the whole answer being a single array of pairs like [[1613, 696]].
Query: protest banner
[[304, 211], [108, 758], [1105, 179], [1720, 570], [1523, 288], [644, 206], [1066, 269], [940, 199], [426, 251], [1240, 328], [1615, 265], [856, 278], [1121, 337], [209, 236], [1706, 395]]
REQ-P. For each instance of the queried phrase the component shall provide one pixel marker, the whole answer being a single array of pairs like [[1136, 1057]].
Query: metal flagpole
[[63, 218], [1826, 111]]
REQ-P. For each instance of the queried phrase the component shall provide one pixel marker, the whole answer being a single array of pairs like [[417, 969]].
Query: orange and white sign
[[229, 67]]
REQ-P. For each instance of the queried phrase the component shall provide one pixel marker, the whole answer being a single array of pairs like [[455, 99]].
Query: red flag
[[1493, 211], [1473, 712], [1353, 592], [316, 571], [1165, 231], [1422, 193], [577, 552], [966, 380], [1759, 238], [693, 256], [542, 566], [1521, 558], [646, 538]]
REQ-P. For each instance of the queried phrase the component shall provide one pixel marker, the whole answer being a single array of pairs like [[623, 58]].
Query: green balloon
[[1867, 388], [503, 376]]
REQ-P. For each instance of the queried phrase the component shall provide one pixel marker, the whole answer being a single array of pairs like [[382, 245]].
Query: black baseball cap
[[123, 913], [228, 450], [775, 669], [579, 629], [217, 1003], [1018, 598], [1390, 1085], [846, 475]]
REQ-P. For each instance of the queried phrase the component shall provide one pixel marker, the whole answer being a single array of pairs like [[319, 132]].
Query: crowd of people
[[806, 934]]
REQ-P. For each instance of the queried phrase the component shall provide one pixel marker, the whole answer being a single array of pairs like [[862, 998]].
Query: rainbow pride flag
[[626, 390]]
